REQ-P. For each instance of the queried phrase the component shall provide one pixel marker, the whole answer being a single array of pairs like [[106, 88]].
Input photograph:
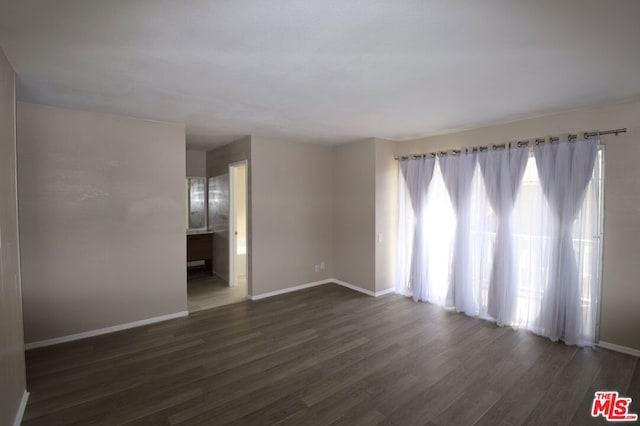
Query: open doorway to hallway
[[217, 254]]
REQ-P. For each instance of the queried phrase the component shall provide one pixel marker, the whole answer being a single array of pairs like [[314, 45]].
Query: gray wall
[[364, 213], [291, 202], [12, 370], [354, 214], [620, 316], [102, 211], [218, 161], [196, 163]]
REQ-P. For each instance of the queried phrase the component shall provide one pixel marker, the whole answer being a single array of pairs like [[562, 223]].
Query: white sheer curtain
[[440, 225], [458, 172], [415, 175], [503, 171], [508, 236], [565, 171]]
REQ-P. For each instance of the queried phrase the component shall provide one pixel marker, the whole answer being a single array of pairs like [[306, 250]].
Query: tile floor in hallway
[[206, 291]]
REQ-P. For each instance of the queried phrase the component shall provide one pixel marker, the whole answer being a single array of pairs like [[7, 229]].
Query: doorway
[[220, 279], [238, 226]]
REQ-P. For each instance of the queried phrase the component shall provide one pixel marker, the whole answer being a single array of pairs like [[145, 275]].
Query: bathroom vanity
[[200, 247]]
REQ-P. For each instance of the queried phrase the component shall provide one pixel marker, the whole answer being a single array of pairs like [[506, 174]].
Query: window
[[533, 238], [533, 243]]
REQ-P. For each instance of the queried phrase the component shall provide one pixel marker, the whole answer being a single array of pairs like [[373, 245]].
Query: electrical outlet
[[317, 268], [322, 265], [380, 237]]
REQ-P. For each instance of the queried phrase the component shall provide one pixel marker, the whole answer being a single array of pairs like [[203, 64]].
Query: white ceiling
[[328, 71]]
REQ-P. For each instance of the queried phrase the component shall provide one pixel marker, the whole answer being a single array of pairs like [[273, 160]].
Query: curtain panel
[[509, 235], [565, 171], [416, 175]]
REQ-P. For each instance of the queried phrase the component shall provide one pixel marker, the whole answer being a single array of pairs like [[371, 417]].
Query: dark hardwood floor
[[325, 355]]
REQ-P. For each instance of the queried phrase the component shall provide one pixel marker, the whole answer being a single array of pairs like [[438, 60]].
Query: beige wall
[[12, 369], [102, 210], [620, 316], [291, 202], [386, 176], [354, 207], [364, 213], [196, 163], [218, 161]]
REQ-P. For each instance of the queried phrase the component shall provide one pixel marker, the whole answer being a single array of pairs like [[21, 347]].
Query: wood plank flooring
[[325, 355]]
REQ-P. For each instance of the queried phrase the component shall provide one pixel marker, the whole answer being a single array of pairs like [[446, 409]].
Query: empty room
[[319, 212]]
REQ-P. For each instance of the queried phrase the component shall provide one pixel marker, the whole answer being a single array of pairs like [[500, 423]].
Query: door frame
[[232, 218]]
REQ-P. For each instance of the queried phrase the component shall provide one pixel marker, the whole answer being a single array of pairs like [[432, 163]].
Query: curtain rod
[[520, 143]]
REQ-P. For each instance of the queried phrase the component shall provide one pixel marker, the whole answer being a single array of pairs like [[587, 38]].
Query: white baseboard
[[619, 348], [354, 287], [383, 292], [289, 289], [21, 408], [321, 282], [91, 333], [362, 290], [106, 330]]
